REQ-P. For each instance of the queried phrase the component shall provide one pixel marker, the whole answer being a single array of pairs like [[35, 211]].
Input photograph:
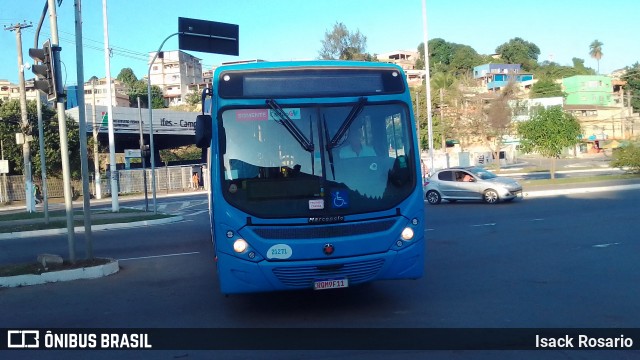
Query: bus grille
[[303, 276], [323, 231]]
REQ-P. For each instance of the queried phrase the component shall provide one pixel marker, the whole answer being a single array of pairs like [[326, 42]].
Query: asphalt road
[[568, 261]]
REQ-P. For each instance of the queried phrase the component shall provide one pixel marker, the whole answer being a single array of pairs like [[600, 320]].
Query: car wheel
[[490, 196], [433, 197]]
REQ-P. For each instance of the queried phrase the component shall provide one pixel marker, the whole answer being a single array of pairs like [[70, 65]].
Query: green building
[[588, 90]]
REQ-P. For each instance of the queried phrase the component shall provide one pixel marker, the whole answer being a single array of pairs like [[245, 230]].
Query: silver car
[[469, 183]]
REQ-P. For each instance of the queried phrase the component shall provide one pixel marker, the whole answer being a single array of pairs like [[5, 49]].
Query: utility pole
[[112, 146], [30, 201], [142, 159], [442, 127], [64, 146], [96, 155], [84, 166], [428, 81]]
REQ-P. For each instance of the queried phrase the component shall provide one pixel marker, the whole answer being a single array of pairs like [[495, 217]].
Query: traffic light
[[46, 71], [145, 151]]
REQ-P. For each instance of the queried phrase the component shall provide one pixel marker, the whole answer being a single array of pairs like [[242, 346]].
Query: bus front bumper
[[241, 276]]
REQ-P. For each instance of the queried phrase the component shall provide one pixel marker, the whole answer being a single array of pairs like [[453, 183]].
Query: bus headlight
[[407, 234], [240, 245]]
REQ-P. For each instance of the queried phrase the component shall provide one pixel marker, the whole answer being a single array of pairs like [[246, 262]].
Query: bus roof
[[307, 64]]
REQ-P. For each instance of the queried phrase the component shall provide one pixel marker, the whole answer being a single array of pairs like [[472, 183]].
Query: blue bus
[[314, 173]]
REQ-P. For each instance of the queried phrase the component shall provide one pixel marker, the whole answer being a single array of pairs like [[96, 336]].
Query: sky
[[294, 29]]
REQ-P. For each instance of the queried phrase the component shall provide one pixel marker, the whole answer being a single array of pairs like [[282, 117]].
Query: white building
[[174, 72], [10, 91], [95, 92]]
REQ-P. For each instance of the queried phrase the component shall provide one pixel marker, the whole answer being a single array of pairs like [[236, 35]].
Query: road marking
[[489, 224], [605, 245], [160, 256], [537, 220], [197, 213], [428, 230]]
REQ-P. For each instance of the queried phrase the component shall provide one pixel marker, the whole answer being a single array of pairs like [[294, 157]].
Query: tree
[[554, 71], [127, 76], [519, 51], [578, 65], [632, 77], [441, 85], [420, 64], [193, 98], [157, 100], [449, 57], [342, 44], [188, 152], [11, 124], [627, 157], [549, 132], [595, 51], [464, 59], [440, 51], [546, 87], [499, 116]]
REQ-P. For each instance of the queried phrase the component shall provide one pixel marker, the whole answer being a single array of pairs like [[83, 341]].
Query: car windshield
[[267, 173], [482, 173]]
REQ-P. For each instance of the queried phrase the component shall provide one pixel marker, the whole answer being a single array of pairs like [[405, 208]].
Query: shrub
[[627, 157]]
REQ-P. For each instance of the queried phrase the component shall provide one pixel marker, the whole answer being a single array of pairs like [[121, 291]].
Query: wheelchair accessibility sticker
[[339, 199]]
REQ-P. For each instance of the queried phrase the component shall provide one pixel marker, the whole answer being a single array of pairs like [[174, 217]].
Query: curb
[[92, 272], [80, 229]]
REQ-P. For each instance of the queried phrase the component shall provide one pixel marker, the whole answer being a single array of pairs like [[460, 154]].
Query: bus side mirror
[[203, 131]]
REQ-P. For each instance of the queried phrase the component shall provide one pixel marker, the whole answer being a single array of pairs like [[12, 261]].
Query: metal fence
[[169, 179]]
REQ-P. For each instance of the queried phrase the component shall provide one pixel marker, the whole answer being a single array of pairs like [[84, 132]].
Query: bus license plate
[[330, 284]]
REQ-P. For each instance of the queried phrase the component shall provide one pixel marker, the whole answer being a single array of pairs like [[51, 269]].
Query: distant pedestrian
[[196, 181], [37, 195]]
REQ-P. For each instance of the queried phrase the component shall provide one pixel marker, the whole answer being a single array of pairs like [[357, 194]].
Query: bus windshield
[[272, 171]]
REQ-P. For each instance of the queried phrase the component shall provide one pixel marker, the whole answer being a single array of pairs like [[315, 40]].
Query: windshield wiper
[[355, 111], [329, 151], [285, 120]]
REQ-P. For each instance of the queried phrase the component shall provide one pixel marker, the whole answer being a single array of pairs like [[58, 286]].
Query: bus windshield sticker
[[292, 113], [279, 251], [266, 114], [316, 204], [339, 199], [252, 115]]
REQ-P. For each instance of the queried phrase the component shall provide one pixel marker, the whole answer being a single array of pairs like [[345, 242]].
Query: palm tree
[[596, 51]]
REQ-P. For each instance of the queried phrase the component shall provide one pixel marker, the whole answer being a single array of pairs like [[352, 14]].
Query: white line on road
[[160, 256], [196, 213], [537, 219], [489, 224], [605, 245]]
